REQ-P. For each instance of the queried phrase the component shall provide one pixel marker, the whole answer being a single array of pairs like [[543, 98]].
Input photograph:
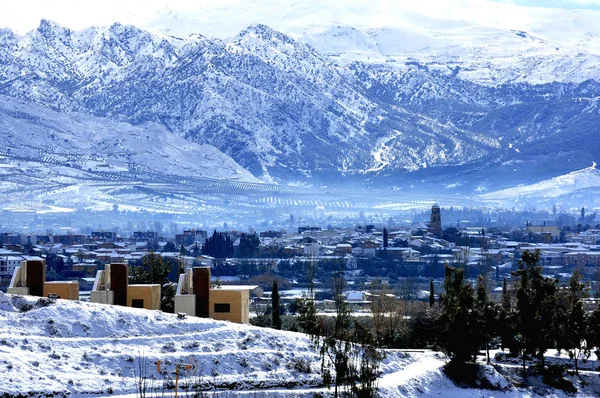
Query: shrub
[[300, 365], [553, 376]]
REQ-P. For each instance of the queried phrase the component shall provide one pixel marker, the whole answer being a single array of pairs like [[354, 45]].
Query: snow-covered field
[[82, 349], [554, 187]]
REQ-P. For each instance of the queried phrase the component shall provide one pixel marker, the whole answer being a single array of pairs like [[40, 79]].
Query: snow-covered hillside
[[88, 143], [554, 187], [82, 349], [77, 161]]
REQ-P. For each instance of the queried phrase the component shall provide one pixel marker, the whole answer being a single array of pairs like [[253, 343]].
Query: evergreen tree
[[506, 324], [431, 294], [218, 245], [385, 239], [196, 250], [249, 244], [152, 269], [183, 251], [457, 323], [506, 301], [169, 247], [535, 309], [571, 322], [593, 330], [276, 315], [307, 318], [486, 313], [56, 263]]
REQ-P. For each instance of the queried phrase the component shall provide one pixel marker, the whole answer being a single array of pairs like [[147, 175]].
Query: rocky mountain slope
[[465, 105]]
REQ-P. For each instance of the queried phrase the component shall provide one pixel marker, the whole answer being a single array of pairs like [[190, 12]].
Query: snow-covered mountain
[[482, 41], [275, 105], [446, 93]]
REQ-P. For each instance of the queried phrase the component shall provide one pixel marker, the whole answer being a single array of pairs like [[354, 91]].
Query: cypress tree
[[431, 294], [506, 305], [593, 330], [385, 238], [275, 310]]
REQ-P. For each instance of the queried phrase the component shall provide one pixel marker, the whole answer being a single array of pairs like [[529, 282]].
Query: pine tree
[[275, 317], [486, 314], [571, 322], [506, 324], [457, 322], [535, 309]]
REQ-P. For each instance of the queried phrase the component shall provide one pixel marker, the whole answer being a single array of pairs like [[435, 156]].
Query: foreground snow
[[79, 349]]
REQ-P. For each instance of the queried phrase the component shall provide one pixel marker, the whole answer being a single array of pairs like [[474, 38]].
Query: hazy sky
[[24, 15], [590, 4]]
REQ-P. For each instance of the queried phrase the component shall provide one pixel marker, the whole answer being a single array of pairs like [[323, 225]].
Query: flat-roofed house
[[196, 297], [112, 287], [30, 279]]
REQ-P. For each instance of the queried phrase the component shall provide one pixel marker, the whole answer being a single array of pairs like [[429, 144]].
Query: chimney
[[119, 279], [35, 277], [201, 290]]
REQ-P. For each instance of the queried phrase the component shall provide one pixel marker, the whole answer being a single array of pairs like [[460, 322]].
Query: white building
[[9, 260]]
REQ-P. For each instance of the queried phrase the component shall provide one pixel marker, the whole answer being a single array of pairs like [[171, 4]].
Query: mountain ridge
[[290, 114]]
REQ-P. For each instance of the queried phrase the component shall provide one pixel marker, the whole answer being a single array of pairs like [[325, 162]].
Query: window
[[137, 303], [222, 307]]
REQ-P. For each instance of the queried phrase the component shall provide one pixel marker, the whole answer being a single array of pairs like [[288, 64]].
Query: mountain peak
[[264, 32], [47, 27]]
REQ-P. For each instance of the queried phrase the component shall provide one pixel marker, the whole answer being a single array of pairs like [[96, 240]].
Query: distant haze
[[25, 15]]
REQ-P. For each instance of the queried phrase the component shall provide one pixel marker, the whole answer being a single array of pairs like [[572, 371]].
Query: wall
[[185, 303], [35, 276], [118, 281], [68, 290], [102, 296], [149, 293], [239, 301]]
